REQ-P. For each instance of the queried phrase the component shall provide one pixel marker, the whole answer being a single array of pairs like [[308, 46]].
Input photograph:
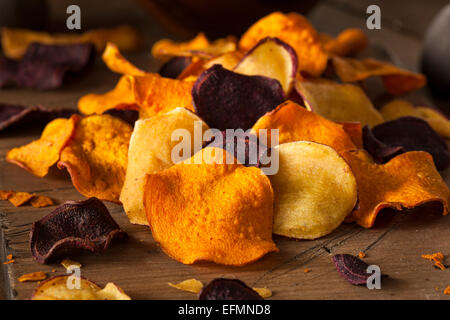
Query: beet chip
[[228, 289], [351, 268], [128, 115], [15, 115], [174, 67], [380, 151], [228, 100], [45, 66], [72, 226], [410, 133]]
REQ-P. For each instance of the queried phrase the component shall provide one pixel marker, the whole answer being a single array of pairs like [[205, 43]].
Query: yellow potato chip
[[263, 292], [211, 212], [314, 190], [96, 157], [189, 285], [150, 151], [38, 156]]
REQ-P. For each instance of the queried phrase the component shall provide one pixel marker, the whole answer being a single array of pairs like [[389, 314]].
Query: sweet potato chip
[[72, 226], [34, 276], [150, 151], [15, 42], [20, 198], [348, 43], [66, 288], [338, 102], [401, 108], [407, 181], [295, 30], [96, 157], [211, 212], [263, 292], [354, 131], [41, 201], [38, 156], [117, 63], [396, 81], [189, 285], [314, 190], [295, 123]]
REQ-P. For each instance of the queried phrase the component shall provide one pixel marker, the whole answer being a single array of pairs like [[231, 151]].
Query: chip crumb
[[189, 285], [70, 264], [361, 255], [447, 290], [33, 276], [264, 292], [9, 261], [53, 270], [41, 201], [438, 259], [9, 256], [307, 270]]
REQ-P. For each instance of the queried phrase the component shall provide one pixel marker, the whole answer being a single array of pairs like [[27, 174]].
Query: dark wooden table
[[143, 270]]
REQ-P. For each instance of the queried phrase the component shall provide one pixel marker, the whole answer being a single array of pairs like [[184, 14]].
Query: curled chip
[[228, 100], [271, 58], [407, 181], [72, 226], [295, 123], [400, 108], [45, 66], [411, 134], [64, 288], [314, 190], [189, 285], [380, 151], [155, 94], [96, 156], [338, 102], [34, 276], [150, 151], [354, 131], [348, 43], [15, 42], [295, 30], [228, 289], [117, 63], [396, 81], [351, 268], [13, 116], [38, 156], [211, 211], [174, 67], [121, 97]]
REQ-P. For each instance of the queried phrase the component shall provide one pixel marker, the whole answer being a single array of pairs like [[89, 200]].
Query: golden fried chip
[[396, 81], [407, 181], [71, 288], [117, 63], [150, 151], [349, 42], [155, 94], [41, 201], [338, 102], [6, 194], [20, 198], [314, 190], [16, 41], [211, 212], [96, 157], [38, 156], [189, 285], [295, 123], [34, 276], [263, 292], [401, 108], [295, 30]]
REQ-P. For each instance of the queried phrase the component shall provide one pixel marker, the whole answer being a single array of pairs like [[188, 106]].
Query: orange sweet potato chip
[[96, 157], [211, 212], [295, 30], [34, 276], [349, 42], [20, 198], [38, 156], [407, 181], [155, 94], [117, 63], [295, 123], [41, 201], [396, 81], [16, 41]]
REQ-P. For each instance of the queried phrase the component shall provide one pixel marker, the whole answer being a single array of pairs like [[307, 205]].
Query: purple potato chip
[[127, 115], [228, 100], [45, 66], [414, 134], [72, 226], [228, 289], [12, 116], [174, 67], [243, 146], [380, 152], [351, 268]]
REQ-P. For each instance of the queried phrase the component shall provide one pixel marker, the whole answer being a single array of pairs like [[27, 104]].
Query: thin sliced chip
[[295, 30], [15, 42], [41, 201], [348, 43], [55, 235], [352, 269], [228, 289], [228, 60], [396, 81], [150, 151], [68, 287], [121, 97], [70, 264], [407, 181], [354, 131], [314, 190], [380, 151], [38, 156], [6, 194], [34, 276], [96, 156], [295, 123], [117, 63], [189, 285], [20, 198], [338, 102], [264, 292], [211, 212]]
